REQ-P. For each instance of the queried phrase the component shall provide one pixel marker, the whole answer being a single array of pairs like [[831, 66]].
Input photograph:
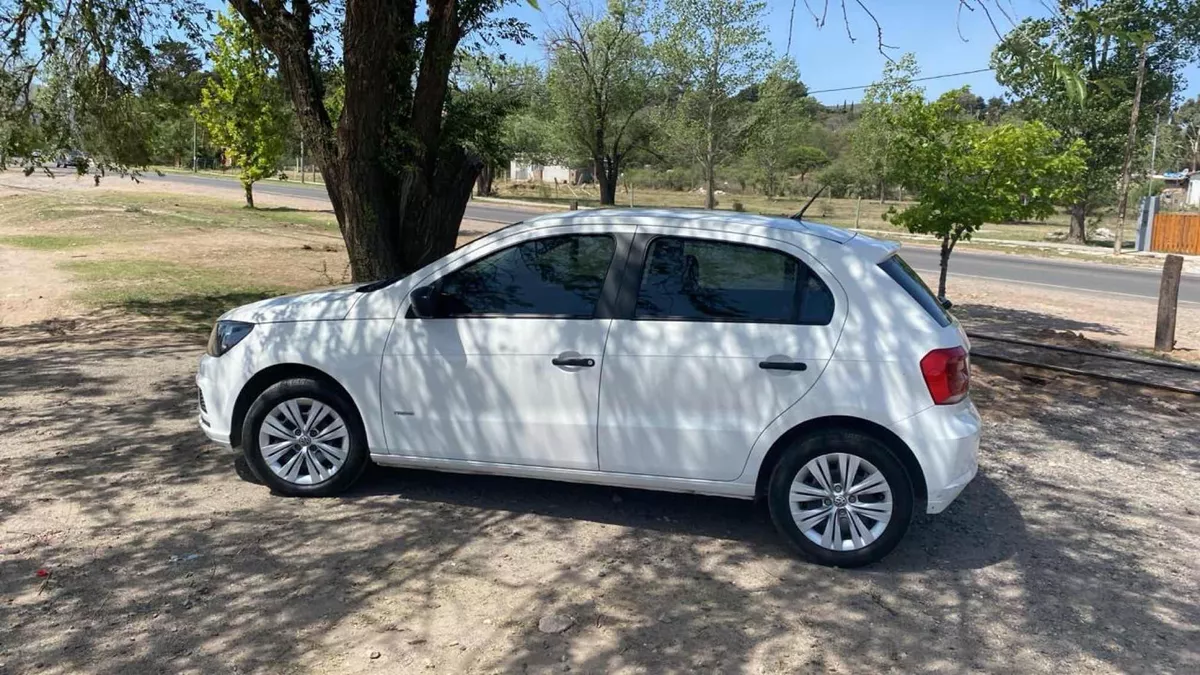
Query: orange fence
[[1176, 233]]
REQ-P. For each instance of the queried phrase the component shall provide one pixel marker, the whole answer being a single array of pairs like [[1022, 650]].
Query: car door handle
[[573, 362], [782, 365]]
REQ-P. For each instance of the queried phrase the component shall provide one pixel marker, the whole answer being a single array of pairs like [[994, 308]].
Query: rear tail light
[[947, 374]]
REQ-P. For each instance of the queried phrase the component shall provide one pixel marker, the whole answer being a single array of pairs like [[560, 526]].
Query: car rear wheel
[[304, 438], [841, 498]]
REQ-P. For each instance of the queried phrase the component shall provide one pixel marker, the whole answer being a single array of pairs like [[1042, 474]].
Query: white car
[[715, 353]]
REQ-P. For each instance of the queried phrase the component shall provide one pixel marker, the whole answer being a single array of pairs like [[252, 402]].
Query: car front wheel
[[304, 438], [841, 498]]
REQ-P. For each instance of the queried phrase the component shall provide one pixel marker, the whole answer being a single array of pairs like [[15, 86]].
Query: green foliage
[[1187, 122], [1099, 43], [965, 173], [782, 116], [711, 50], [240, 106], [874, 137], [174, 80], [599, 85], [487, 92]]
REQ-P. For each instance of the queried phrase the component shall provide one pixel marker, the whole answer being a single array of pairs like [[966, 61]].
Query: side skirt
[[627, 480]]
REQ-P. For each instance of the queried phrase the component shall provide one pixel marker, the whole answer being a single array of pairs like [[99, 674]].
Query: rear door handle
[[782, 365], [573, 362]]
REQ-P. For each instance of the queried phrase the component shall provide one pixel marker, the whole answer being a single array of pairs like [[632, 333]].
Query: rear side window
[[911, 282], [701, 280]]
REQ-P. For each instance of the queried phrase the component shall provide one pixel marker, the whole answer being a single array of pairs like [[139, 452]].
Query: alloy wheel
[[840, 501], [303, 441]]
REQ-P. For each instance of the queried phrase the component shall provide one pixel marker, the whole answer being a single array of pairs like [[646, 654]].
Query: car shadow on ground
[[161, 560]]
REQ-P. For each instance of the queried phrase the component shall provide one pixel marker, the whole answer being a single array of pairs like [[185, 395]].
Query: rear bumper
[[945, 440]]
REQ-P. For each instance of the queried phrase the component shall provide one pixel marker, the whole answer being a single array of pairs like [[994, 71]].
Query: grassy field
[[178, 259]]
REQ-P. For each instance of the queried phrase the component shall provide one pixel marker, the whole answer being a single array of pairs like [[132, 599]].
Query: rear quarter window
[[911, 282]]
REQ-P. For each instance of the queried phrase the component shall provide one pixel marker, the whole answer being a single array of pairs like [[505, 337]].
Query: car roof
[[719, 221], [692, 218]]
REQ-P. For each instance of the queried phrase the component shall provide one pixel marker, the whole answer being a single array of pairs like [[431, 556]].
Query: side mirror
[[424, 303]]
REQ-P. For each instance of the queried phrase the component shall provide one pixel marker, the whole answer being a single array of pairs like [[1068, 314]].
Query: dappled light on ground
[[1073, 550]]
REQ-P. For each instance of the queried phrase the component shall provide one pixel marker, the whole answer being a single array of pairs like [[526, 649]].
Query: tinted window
[[718, 281], [911, 282], [556, 276]]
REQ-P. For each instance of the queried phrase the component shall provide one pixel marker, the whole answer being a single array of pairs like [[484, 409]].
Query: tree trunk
[[397, 190], [710, 160], [944, 261], [1123, 201], [1077, 234], [249, 188], [881, 191], [483, 184], [607, 175]]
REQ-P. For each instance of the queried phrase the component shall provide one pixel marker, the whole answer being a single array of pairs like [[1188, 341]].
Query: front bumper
[[214, 412], [945, 440]]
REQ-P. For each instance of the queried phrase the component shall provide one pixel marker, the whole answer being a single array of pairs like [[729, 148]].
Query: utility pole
[[1129, 141]]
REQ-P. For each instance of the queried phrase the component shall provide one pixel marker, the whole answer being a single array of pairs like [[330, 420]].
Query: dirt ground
[[128, 544]]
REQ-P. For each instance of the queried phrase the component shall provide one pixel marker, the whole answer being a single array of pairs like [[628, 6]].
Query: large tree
[[782, 116], [600, 87], [965, 173], [873, 138], [240, 104], [398, 182], [1187, 121], [713, 49], [1101, 41], [487, 93]]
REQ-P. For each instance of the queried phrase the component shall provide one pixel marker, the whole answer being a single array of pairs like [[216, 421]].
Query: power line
[[915, 79]]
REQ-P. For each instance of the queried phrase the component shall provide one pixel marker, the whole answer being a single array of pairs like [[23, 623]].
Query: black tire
[[854, 443], [357, 454]]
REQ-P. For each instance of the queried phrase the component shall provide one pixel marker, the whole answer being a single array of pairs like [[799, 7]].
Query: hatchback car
[[720, 354]]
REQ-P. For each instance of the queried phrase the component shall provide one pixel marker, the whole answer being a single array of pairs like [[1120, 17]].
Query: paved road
[[1086, 277]]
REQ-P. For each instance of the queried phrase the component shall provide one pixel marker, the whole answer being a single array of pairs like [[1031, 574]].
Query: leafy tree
[[397, 181], [1187, 120], [240, 105], [174, 79], [1101, 42], [871, 142], [712, 49], [966, 174], [486, 92], [599, 85], [781, 121]]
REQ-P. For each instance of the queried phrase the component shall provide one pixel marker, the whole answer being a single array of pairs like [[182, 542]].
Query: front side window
[[557, 277], [699, 280]]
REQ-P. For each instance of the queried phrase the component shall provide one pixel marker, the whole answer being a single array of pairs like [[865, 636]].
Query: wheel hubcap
[[841, 501], [303, 441]]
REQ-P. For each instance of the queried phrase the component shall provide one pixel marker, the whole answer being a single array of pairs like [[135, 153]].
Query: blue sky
[[828, 59]]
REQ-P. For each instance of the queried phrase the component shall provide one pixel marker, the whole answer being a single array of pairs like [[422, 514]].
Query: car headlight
[[226, 334]]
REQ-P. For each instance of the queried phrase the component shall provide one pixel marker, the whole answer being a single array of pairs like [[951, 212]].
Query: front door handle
[[782, 365], [573, 362]]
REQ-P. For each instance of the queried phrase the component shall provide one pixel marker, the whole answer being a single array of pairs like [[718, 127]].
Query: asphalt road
[[1073, 276]]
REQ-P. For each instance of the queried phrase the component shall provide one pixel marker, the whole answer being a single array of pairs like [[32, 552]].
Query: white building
[[550, 173]]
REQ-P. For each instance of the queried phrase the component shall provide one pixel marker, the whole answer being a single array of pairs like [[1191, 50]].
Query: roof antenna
[[799, 215]]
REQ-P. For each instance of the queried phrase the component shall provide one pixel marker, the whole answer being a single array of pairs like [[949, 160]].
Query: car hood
[[327, 304]]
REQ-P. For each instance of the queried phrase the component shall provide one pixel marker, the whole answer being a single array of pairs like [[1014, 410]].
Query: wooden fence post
[[574, 204], [1168, 304], [857, 209]]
